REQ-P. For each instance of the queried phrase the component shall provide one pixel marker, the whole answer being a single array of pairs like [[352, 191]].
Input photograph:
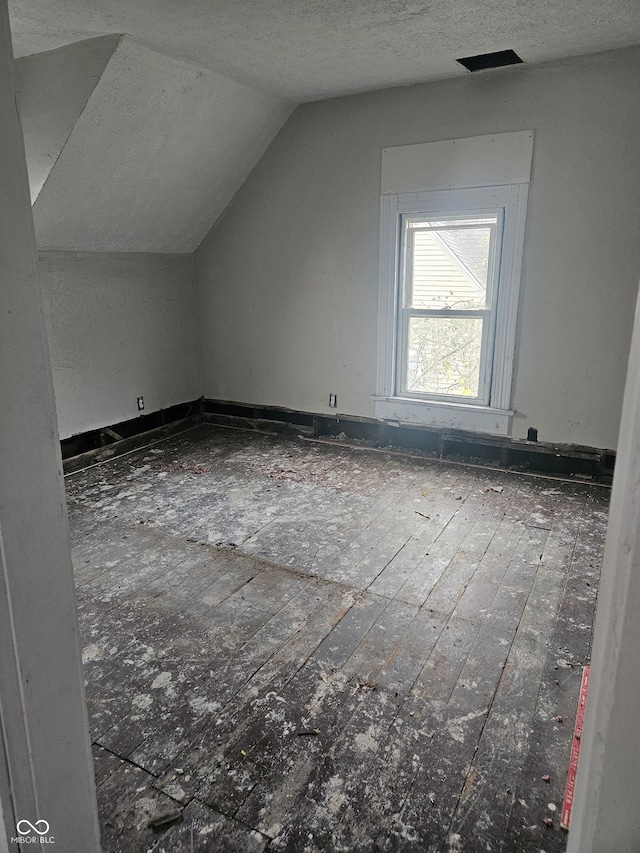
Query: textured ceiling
[[153, 157], [52, 89], [304, 49], [142, 118]]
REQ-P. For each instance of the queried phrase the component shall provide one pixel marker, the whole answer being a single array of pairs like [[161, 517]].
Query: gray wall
[[120, 326], [288, 279]]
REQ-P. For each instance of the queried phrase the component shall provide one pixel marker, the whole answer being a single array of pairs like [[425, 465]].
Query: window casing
[[484, 405]]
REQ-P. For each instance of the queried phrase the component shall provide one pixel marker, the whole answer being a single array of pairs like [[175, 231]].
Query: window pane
[[444, 355], [450, 264]]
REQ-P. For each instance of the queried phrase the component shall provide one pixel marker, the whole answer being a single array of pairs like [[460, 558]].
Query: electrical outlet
[[140, 403], [333, 401]]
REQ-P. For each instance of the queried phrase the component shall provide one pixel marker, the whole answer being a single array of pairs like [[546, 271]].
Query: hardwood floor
[[299, 646]]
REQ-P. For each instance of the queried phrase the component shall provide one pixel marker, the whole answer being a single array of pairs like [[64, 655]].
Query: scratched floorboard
[[298, 646]]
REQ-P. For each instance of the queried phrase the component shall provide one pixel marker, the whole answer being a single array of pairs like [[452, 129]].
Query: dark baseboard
[[101, 444], [585, 464]]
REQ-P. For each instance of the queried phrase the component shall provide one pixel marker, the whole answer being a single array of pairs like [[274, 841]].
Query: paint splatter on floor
[[298, 647]]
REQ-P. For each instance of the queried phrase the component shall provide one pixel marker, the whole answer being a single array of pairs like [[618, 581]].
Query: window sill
[[406, 410]]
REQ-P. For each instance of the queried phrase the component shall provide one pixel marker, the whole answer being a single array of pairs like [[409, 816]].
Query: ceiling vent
[[490, 60]]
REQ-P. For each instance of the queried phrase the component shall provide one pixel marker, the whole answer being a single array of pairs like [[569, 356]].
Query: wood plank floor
[[297, 646]]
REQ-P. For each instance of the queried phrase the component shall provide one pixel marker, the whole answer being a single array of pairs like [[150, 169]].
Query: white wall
[[46, 770], [605, 817], [288, 278], [120, 326]]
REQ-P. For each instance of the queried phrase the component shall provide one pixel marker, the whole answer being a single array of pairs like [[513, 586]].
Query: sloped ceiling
[[53, 89], [151, 134], [152, 159]]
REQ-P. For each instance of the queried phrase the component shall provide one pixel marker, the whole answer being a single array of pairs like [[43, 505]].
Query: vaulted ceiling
[[137, 139], [129, 150]]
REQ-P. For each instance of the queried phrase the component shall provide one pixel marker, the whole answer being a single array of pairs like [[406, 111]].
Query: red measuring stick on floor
[[567, 803]]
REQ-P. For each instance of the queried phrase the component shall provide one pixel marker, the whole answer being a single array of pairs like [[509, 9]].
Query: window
[[448, 297], [450, 270]]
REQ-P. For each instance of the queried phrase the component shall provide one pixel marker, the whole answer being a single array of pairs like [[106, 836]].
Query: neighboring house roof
[[470, 247], [440, 275]]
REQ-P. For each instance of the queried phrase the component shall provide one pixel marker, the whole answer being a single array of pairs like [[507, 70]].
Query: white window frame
[[489, 413], [487, 314]]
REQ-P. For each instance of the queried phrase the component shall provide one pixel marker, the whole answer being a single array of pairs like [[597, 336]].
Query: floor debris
[[164, 818], [416, 660]]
